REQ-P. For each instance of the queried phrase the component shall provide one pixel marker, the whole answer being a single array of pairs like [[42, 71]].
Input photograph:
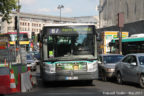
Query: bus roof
[[69, 24], [16, 32], [130, 39]]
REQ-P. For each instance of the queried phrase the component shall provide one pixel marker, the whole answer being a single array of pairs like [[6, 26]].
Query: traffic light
[[16, 21], [33, 35]]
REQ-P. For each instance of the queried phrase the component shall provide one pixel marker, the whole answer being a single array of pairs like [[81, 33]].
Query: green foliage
[[6, 7]]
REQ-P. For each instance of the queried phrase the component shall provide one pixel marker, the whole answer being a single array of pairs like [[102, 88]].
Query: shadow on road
[[65, 84], [131, 84]]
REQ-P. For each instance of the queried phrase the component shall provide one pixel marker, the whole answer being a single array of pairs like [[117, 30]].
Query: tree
[[6, 7]]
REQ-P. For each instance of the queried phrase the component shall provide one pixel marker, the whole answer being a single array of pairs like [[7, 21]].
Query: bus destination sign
[[69, 30]]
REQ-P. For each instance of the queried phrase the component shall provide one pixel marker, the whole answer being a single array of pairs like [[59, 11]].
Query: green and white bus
[[129, 45], [68, 52]]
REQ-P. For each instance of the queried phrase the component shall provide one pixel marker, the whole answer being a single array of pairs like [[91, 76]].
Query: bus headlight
[[91, 67], [49, 68]]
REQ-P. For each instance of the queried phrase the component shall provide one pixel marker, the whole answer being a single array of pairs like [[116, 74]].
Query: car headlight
[[110, 70], [91, 67], [49, 68]]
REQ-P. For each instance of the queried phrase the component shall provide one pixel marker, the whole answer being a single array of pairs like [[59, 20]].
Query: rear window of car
[[29, 57], [112, 59]]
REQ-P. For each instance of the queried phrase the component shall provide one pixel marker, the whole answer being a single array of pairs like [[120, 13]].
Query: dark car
[[131, 69], [106, 65], [31, 62], [36, 54]]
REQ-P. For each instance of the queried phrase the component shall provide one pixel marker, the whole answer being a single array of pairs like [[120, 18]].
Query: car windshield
[[141, 60], [112, 59]]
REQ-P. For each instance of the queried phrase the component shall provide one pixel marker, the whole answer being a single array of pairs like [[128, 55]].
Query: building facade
[[133, 15], [31, 22], [88, 19]]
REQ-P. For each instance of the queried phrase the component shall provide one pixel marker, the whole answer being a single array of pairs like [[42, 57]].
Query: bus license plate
[[72, 78]]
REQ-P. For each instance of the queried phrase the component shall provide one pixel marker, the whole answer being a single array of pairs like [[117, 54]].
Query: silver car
[[106, 65], [131, 69], [31, 62]]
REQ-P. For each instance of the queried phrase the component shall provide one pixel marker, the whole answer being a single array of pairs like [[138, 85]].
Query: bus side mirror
[[98, 37]]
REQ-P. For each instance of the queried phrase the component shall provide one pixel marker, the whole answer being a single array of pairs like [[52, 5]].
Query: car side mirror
[[104, 62], [133, 64]]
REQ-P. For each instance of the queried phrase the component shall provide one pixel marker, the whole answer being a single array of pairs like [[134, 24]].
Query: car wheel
[[119, 78], [141, 81], [34, 69], [104, 78], [31, 69]]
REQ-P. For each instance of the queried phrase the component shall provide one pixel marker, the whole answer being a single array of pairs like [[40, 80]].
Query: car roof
[[137, 54], [110, 55], [29, 54]]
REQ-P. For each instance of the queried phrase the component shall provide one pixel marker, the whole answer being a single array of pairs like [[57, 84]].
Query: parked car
[[131, 69], [106, 65], [31, 62]]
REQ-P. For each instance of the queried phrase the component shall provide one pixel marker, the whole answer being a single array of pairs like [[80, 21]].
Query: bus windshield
[[22, 37], [70, 41]]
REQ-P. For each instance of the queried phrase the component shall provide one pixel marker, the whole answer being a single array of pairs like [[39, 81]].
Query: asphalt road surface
[[98, 88]]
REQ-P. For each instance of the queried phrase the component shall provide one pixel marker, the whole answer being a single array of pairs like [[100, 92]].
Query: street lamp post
[[60, 7], [18, 31], [17, 23], [120, 25]]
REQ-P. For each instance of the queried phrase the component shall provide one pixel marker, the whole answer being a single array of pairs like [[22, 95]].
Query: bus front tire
[[89, 82]]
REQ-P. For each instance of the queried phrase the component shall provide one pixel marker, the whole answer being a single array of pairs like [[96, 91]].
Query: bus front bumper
[[57, 77]]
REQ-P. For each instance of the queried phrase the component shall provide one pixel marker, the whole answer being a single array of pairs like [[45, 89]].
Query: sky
[[72, 8]]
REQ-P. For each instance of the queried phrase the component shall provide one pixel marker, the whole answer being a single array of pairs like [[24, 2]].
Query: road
[[99, 88]]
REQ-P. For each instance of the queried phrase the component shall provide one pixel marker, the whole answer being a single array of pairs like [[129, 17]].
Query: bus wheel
[[44, 82], [141, 81], [89, 82]]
